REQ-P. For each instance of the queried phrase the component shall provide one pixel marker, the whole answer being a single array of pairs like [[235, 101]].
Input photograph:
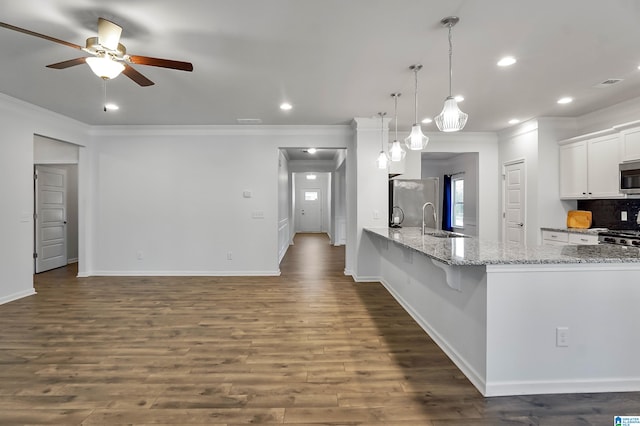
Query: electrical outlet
[[623, 216], [562, 337], [140, 255], [376, 214], [229, 255]]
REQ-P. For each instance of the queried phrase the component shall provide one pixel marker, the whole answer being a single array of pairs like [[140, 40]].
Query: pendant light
[[396, 152], [416, 141], [383, 160], [451, 119]]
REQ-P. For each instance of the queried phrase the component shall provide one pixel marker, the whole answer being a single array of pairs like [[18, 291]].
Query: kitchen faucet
[[435, 215]]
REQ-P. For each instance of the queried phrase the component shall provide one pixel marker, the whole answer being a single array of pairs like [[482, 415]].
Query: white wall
[[536, 142], [174, 197], [19, 122], [486, 145], [467, 164], [284, 205]]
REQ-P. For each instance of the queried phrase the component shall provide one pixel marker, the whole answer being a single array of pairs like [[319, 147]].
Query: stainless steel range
[[621, 238]]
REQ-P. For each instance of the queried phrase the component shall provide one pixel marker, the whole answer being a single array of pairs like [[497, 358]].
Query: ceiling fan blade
[[108, 34], [33, 33], [164, 63], [67, 64], [136, 76]]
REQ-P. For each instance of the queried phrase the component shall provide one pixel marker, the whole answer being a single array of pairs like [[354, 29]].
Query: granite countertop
[[474, 251], [592, 231]]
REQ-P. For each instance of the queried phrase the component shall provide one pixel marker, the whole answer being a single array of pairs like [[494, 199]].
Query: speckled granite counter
[[590, 231], [474, 251]]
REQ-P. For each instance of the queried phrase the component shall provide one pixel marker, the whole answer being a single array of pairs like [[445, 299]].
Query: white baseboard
[[182, 274], [558, 386], [476, 379], [72, 261], [365, 279], [16, 296]]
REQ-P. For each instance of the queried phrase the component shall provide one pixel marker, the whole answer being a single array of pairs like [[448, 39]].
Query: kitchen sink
[[445, 234]]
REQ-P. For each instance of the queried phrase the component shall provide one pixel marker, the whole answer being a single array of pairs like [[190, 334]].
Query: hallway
[[308, 347]]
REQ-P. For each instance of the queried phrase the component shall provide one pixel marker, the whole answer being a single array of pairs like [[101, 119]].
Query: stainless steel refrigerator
[[406, 198]]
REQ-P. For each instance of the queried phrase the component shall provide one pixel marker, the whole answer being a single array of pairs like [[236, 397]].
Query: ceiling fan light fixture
[[105, 67]]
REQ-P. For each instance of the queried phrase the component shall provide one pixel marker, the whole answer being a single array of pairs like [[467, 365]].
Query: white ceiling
[[332, 59]]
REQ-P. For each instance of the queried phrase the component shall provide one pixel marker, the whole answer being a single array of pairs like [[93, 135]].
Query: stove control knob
[[623, 242], [609, 240], [635, 242]]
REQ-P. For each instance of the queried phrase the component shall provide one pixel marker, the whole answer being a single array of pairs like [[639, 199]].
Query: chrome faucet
[[435, 215]]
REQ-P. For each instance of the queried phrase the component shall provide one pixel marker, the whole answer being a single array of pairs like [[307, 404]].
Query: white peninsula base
[[499, 323]]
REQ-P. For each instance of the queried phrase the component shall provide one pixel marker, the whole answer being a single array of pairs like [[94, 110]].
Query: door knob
[[521, 225]]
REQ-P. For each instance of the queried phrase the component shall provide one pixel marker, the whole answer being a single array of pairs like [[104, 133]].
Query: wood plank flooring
[[308, 347]]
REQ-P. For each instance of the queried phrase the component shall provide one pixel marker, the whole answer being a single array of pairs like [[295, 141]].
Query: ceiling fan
[[109, 57]]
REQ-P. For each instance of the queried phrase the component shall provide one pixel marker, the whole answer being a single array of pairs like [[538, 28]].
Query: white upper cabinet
[[631, 144], [589, 168]]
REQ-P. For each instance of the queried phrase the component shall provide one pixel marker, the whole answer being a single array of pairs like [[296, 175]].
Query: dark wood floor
[[309, 347]]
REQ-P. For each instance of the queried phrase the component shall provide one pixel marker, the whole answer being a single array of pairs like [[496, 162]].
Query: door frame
[[504, 197]]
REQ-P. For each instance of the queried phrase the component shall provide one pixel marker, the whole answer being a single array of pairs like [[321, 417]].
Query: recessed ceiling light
[[514, 121], [286, 106], [459, 98], [507, 61], [111, 107], [565, 100], [311, 177], [427, 120], [312, 150]]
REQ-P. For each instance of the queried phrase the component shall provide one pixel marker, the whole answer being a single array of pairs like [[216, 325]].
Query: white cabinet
[[631, 144], [589, 168], [555, 238], [562, 238]]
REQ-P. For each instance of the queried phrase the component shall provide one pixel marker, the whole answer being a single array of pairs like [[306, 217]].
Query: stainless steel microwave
[[630, 177]]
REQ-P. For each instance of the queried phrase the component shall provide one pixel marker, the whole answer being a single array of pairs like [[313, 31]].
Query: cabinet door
[[604, 156], [573, 170], [631, 144]]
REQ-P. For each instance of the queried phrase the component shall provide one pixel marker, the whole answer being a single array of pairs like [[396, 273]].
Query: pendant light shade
[[383, 160], [451, 119], [396, 152], [416, 141]]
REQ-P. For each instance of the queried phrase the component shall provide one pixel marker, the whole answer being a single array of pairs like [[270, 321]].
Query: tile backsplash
[[608, 213]]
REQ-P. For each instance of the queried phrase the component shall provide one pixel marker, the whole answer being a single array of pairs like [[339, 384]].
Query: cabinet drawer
[[575, 238], [560, 237]]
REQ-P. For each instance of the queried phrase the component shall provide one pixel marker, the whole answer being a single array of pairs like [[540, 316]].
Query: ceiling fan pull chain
[[104, 104]]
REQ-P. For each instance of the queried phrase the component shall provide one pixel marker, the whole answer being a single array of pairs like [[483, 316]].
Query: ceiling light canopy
[[383, 160], [451, 119], [416, 141], [105, 67], [565, 100], [312, 150], [514, 121], [427, 120], [111, 107], [286, 106], [396, 153]]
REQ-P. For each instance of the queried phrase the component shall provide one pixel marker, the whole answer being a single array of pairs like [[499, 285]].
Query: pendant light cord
[[450, 54], [382, 114], [395, 114], [415, 70], [104, 92]]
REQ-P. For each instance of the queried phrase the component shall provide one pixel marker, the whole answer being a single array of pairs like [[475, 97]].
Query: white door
[[50, 218], [310, 210], [514, 228]]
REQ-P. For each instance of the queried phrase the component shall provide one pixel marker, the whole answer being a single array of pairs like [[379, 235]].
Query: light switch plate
[[623, 216]]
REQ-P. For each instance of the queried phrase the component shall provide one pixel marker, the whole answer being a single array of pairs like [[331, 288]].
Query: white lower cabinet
[[563, 238]]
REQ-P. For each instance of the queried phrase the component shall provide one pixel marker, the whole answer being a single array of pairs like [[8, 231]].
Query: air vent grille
[[609, 82]]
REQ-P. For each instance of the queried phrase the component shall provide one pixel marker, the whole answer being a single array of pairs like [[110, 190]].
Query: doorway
[[55, 201], [309, 210], [513, 202]]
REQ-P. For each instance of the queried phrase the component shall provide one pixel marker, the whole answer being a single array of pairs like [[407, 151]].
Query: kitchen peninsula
[[520, 320]]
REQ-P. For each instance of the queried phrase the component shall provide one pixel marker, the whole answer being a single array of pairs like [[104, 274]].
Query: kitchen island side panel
[[455, 320], [597, 304]]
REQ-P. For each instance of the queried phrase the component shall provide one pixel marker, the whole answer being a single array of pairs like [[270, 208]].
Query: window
[[457, 202], [310, 195]]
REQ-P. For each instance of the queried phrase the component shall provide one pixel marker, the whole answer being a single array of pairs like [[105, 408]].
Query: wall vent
[[249, 121]]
